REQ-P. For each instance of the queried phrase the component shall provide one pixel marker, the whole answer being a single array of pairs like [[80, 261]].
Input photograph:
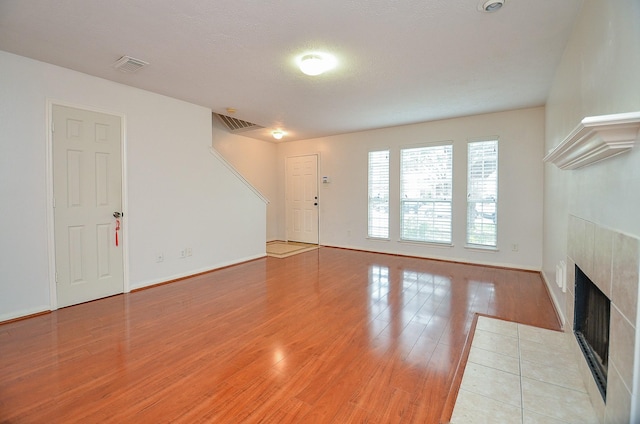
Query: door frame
[[286, 192], [51, 250]]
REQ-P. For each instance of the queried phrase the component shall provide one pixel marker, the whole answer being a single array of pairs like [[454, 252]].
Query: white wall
[[343, 202], [598, 75], [179, 194], [256, 161]]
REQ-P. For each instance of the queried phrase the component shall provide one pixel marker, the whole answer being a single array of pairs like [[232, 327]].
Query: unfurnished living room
[[320, 212]]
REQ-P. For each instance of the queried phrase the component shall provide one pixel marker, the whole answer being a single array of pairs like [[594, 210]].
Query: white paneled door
[[87, 190], [302, 198]]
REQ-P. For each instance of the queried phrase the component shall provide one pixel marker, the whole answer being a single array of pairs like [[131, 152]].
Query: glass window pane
[[426, 191], [378, 226], [482, 193]]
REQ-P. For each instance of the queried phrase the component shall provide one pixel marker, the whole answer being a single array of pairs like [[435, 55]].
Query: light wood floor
[[327, 336]]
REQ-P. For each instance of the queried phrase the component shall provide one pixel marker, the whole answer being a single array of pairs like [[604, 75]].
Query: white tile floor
[[512, 376]]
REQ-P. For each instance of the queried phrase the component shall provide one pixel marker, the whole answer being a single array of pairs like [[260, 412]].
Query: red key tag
[[117, 229]]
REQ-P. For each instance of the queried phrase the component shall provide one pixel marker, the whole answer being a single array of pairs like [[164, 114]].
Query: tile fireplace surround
[[611, 260]]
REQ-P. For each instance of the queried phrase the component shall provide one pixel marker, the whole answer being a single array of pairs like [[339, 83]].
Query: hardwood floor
[[327, 336]]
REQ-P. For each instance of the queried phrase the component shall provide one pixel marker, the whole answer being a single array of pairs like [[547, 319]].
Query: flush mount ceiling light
[[316, 63], [277, 134], [491, 5]]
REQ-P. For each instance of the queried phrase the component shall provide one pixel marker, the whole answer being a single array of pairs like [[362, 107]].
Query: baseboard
[[441, 258], [24, 314], [193, 273], [554, 299]]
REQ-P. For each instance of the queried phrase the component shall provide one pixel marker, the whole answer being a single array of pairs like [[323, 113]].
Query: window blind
[[426, 186], [482, 193], [378, 223]]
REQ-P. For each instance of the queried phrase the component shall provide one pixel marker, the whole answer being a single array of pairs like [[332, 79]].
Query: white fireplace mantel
[[596, 138]]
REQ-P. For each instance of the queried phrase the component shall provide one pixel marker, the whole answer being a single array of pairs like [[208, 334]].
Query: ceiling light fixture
[[316, 63], [491, 5], [277, 134]]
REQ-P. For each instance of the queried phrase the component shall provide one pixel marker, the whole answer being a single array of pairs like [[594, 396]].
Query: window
[[379, 194], [425, 193], [482, 193]]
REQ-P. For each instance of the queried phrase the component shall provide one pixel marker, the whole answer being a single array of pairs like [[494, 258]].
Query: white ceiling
[[400, 61]]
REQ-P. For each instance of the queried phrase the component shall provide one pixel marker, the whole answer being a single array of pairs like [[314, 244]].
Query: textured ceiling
[[400, 62]]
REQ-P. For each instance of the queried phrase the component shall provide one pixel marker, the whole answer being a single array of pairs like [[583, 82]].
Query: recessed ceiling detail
[[129, 65], [236, 125]]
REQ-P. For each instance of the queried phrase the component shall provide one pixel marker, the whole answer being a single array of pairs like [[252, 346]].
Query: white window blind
[[379, 194], [482, 193], [425, 193]]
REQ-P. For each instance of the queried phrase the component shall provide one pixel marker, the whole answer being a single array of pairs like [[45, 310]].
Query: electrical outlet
[[183, 253], [159, 257], [514, 247]]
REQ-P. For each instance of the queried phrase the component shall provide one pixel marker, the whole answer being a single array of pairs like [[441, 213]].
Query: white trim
[[596, 138], [286, 188], [435, 257], [51, 246], [190, 273], [554, 299], [24, 313], [53, 300], [422, 197], [471, 177], [426, 144], [481, 248], [483, 138], [371, 174], [425, 243], [237, 174]]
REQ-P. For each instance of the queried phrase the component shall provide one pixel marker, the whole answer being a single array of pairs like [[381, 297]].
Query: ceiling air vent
[[235, 125], [129, 65]]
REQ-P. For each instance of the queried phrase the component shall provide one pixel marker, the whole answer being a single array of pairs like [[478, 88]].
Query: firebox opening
[[591, 327]]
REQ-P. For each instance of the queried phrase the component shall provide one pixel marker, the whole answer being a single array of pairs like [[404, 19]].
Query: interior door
[[302, 198], [87, 190]]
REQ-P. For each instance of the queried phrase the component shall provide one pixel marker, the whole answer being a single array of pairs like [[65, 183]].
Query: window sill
[[426, 243], [481, 248], [378, 239]]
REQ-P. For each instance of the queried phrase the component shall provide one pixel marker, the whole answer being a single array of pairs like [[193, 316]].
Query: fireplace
[[591, 327], [611, 260]]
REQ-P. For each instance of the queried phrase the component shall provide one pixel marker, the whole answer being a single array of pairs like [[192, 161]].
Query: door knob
[[117, 214]]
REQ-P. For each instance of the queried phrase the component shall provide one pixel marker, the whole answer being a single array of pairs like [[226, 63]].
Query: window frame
[[434, 202], [485, 191], [371, 207]]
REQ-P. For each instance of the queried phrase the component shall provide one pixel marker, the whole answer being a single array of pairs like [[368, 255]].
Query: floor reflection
[[311, 338], [404, 308]]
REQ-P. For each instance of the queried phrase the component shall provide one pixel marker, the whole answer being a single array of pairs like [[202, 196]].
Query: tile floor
[[284, 249], [512, 376]]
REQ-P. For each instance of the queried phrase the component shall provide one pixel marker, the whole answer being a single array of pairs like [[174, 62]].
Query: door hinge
[[53, 127], [54, 202], [56, 277]]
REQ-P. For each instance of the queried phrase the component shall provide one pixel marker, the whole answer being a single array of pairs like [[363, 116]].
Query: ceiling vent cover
[[129, 64], [235, 125]]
